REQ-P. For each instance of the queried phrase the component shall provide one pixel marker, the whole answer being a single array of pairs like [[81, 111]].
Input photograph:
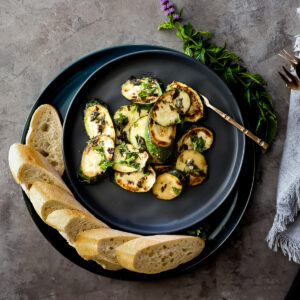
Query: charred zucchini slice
[[141, 91], [195, 111], [171, 107], [167, 187], [98, 149], [161, 136], [97, 120], [193, 164], [137, 133], [137, 182], [159, 154], [198, 138], [124, 117], [159, 169], [127, 159]]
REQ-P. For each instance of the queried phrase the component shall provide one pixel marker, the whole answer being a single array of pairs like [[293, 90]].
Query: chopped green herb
[[122, 121], [143, 94], [201, 231], [176, 191], [198, 143]]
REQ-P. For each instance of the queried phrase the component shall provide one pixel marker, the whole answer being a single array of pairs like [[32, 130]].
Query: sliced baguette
[[47, 198], [44, 135], [107, 265], [71, 222], [101, 243], [28, 166], [159, 253]]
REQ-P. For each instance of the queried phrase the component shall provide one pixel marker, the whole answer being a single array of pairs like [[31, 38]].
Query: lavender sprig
[[168, 8]]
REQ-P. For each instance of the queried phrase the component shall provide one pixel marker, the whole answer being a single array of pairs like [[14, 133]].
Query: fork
[[292, 81], [240, 127]]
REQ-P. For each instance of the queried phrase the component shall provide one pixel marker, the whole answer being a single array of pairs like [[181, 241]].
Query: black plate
[[143, 213], [223, 221]]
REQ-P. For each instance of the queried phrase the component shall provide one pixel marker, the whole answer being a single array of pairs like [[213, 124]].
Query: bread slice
[[71, 222], [44, 135], [158, 253], [47, 198], [28, 166], [107, 265], [101, 243]]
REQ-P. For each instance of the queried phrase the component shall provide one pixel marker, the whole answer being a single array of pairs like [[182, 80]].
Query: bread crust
[[34, 140], [46, 198], [22, 157], [88, 243], [128, 253]]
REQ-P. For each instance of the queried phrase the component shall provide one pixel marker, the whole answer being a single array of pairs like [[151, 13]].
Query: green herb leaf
[[201, 231], [198, 143], [176, 191], [121, 121]]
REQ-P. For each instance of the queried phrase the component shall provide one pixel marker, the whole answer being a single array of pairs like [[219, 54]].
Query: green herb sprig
[[201, 231], [198, 143], [247, 87]]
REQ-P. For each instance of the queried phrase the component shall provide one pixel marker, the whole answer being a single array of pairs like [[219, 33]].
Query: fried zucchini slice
[[198, 138], [137, 133], [167, 186], [171, 107], [97, 120], [99, 148], [124, 117], [138, 182], [193, 164], [161, 136], [158, 154], [196, 109], [141, 91], [159, 169]]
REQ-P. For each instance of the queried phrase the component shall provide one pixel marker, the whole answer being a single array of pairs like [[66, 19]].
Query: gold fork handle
[[244, 130]]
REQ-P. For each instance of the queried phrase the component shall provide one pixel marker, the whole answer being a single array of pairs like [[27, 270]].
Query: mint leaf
[[198, 143]]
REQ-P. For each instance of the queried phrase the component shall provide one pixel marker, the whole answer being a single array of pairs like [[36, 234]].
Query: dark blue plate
[[142, 212], [222, 222]]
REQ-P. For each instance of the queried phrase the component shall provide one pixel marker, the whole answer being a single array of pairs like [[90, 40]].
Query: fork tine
[[288, 83], [292, 77], [287, 59], [291, 56]]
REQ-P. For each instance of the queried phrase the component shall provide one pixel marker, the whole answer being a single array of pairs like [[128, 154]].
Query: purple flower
[[175, 17], [164, 8], [164, 2], [171, 10], [169, 5], [167, 12]]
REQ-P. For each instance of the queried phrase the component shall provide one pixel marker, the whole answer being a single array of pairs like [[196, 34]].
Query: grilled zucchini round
[[198, 138], [196, 109], [138, 182], [154, 140], [97, 120], [98, 149], [167, 187], [141, 91], [137, 133], [171, 107], [124, 117], [193, 164]]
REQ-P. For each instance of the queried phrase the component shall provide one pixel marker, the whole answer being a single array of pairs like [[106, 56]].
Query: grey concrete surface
[[38, 39]]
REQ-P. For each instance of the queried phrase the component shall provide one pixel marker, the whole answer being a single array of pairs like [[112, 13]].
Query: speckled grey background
[[38, 39]]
